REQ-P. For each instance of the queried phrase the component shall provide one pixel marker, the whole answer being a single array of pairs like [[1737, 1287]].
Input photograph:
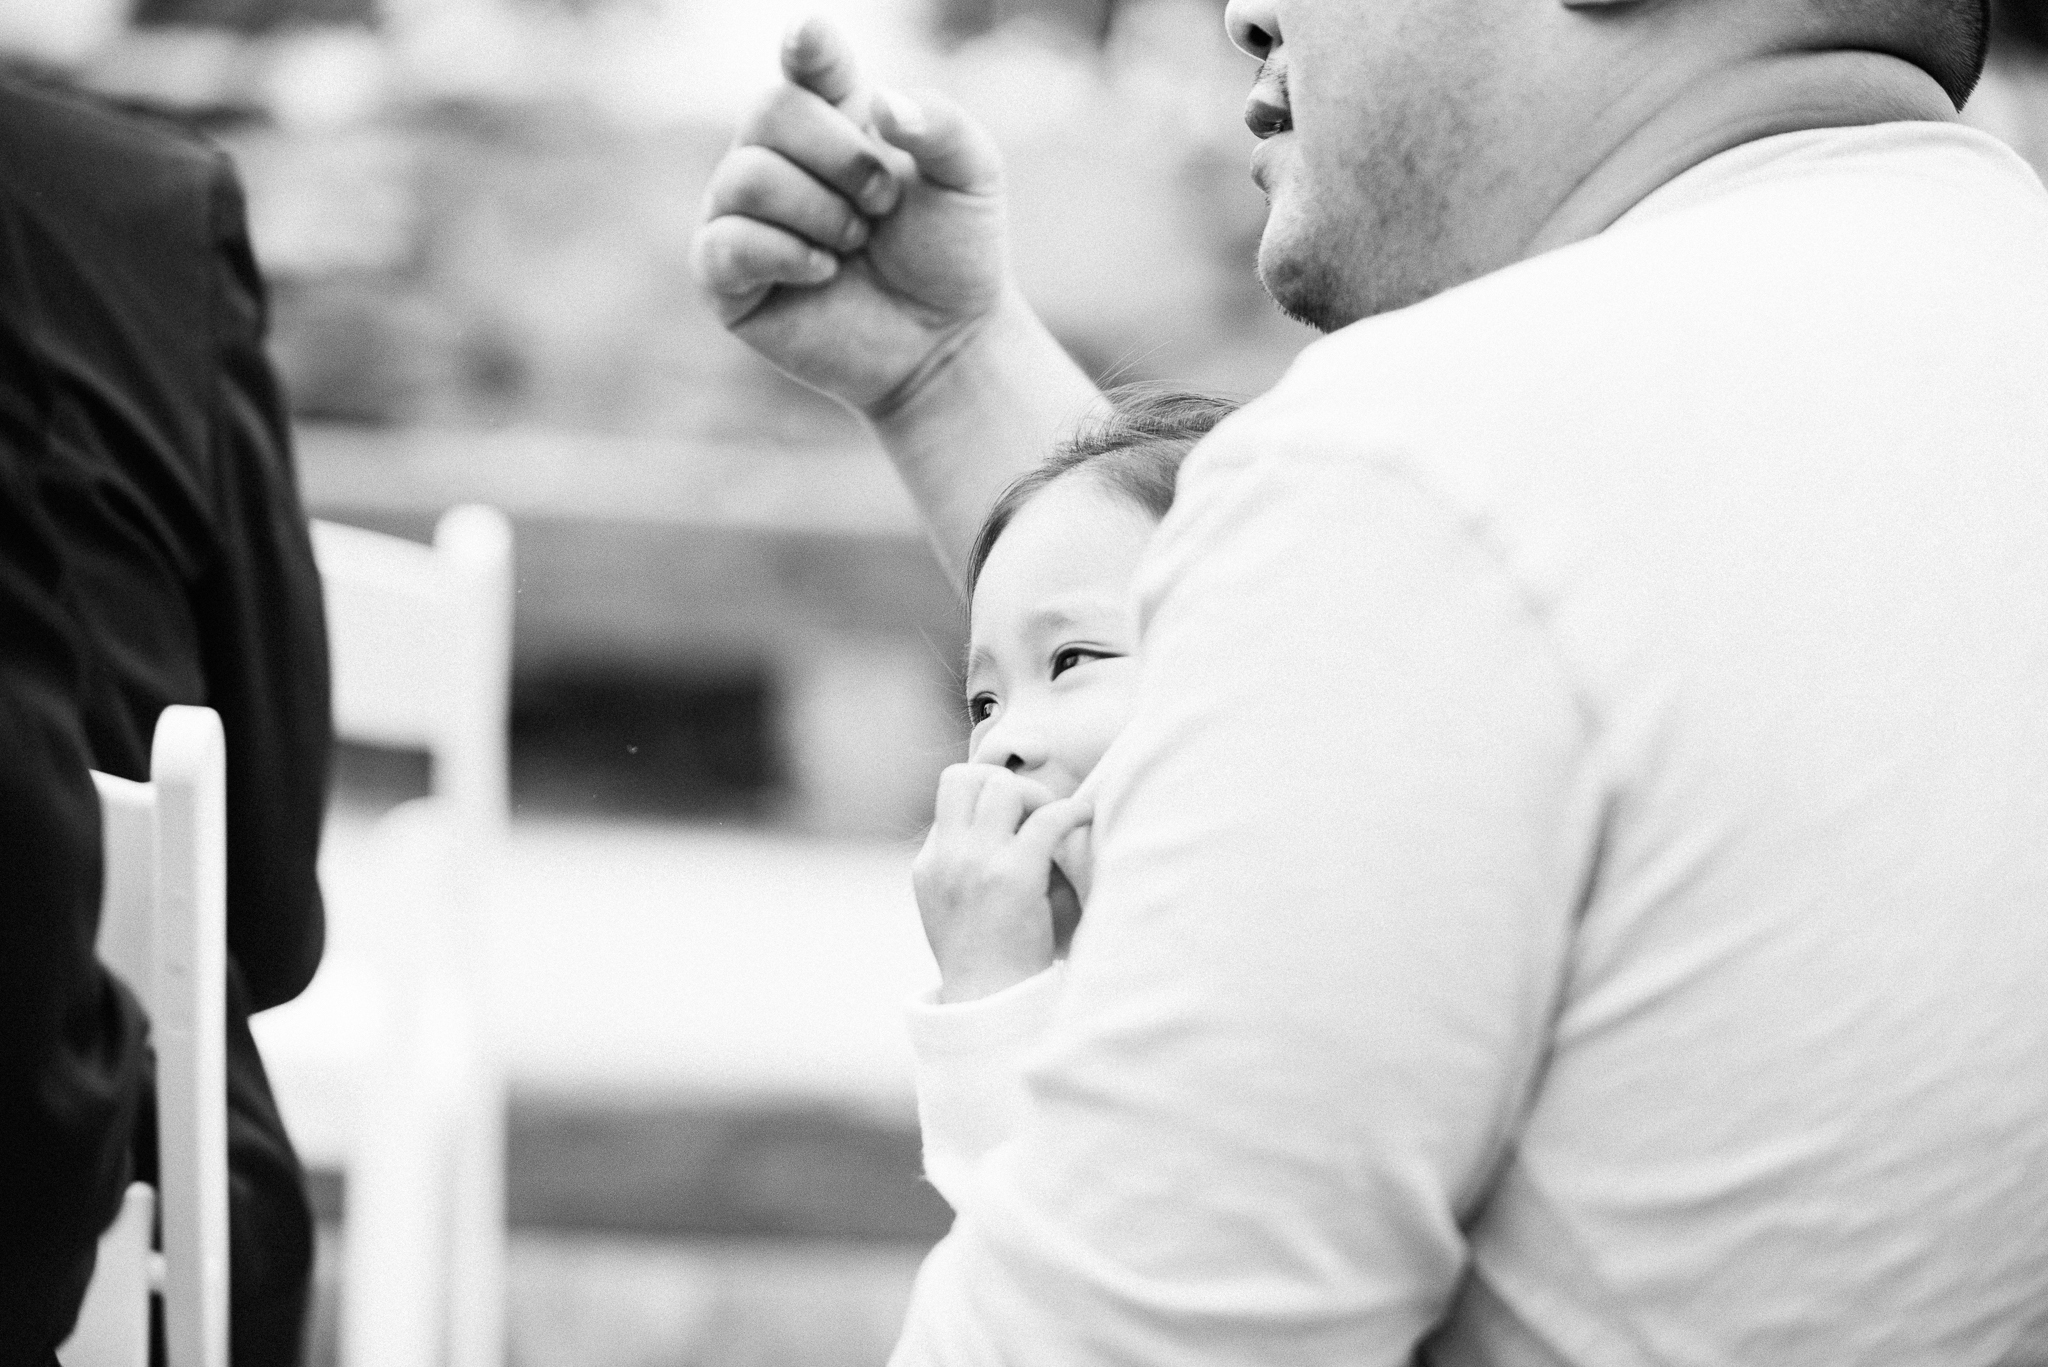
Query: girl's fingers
[[1002, 802], [1052, 823], [1074, 855], [959, 789], [1007, 799]]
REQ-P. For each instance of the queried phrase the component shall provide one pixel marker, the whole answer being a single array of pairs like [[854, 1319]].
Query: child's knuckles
[[1008, 893], [974, 879], [1015, 865]]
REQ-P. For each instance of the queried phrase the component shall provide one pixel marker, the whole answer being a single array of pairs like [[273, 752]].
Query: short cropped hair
[[1947, 39], [1135, 452]]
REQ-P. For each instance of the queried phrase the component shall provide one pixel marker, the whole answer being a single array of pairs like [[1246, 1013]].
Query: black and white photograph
[[1023, 683]]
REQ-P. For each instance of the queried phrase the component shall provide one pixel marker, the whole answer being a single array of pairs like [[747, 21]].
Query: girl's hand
[[982, 877]]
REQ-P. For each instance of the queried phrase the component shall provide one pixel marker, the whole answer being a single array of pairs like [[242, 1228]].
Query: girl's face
[[1051, 677]]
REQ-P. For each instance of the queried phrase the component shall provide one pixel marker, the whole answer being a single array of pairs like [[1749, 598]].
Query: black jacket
[[152, 551]]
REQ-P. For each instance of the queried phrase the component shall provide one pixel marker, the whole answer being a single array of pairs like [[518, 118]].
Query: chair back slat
[[420, 644], [393, 637], [163, 930], [188, 1019]]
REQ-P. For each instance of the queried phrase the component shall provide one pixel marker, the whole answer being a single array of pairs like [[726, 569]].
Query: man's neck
[[1787, 93]]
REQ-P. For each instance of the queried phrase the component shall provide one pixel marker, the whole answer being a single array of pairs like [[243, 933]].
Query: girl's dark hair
[[1135, 452]]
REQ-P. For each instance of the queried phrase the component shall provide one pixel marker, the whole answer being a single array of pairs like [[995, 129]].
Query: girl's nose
[[1018, 759], [1014, 743]]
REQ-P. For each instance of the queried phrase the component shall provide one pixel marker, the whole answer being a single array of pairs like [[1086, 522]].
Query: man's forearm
[[991, 409]]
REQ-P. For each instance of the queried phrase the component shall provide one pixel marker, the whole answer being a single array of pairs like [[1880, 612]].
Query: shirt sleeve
[[970, 1072], [263, 635], [1340, 853]]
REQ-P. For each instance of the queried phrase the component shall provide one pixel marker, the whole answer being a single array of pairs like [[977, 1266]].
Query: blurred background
[[732, 680]]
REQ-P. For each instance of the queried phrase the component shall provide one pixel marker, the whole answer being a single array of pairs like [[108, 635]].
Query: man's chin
[[1330, 281], [1305, 290]]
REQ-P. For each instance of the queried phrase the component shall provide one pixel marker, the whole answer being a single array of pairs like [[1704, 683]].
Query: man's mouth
[[1266, 110], [1262, 170]]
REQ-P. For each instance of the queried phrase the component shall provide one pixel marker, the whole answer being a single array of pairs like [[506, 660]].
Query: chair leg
[[395, 1222], [476, 1310]]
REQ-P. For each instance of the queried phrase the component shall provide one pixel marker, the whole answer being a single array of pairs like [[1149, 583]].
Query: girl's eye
[[980, 708], [1071, 656]]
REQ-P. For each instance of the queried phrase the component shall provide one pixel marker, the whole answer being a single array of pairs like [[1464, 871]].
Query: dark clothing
[[71, 1036], [152, 551], [270, 1225]]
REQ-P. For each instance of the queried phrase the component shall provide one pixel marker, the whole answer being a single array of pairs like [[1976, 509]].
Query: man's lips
[[1265, 115], [1263, 158], [1268, 114], [1266, 109]]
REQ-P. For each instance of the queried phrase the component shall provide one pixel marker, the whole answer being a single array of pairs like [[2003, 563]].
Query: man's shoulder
[[1787, 293], [1541, 326], [114, 273], [118, 221], [1827, 221], [45, 112], [71, 153]]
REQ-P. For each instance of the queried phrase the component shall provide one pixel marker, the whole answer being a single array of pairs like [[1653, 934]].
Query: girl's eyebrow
[[1075, 611], [1050, 620]]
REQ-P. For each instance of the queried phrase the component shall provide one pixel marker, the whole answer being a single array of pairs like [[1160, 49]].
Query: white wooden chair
[[381, 1068], [163, 929]]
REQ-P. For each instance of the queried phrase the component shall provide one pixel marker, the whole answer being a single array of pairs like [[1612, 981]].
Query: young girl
[[1051, 679]]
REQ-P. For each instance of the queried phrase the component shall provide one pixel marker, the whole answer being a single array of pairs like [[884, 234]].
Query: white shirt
[[970, 1059], [1576, 889]]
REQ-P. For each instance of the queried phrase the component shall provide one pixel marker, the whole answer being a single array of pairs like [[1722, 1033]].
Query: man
[[1575, 891], [152, 551]]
